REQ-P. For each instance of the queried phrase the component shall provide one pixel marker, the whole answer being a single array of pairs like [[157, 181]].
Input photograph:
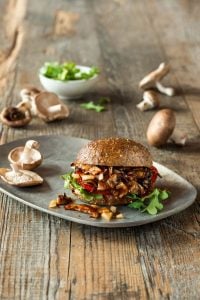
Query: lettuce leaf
[[151, 203], [92, 106], [66, 71], [98, 107], [70, 181]]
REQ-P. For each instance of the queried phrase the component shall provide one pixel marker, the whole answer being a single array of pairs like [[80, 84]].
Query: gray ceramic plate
[[58, 153]]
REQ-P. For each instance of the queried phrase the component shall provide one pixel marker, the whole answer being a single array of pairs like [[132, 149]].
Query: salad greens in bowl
[[68, 80]]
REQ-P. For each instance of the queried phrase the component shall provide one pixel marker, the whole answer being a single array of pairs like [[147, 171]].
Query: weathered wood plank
[[43, 257], [101, 255], [182, 160], [178, 34], [34, 250]]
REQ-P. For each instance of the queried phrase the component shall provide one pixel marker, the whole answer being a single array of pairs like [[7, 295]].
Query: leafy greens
[[150, 203], [98, 107], [92, 106], [70, 181], [66, 71]]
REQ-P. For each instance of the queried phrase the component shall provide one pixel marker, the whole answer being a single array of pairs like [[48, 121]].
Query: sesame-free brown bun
[[114, 152]]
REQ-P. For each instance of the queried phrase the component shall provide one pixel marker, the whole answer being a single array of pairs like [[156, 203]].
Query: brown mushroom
[[150, 101], [161, 127], [20, 178], [153, 80], [14, 116], [27, 157], [49, 107]]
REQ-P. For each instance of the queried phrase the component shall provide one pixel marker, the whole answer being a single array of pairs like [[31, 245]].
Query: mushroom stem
[[55, 108], [26, 154], [15, 168], [178, 137], [165, 90]]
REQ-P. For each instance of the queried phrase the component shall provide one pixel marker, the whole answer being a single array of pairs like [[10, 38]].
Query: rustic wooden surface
[[43, 257]]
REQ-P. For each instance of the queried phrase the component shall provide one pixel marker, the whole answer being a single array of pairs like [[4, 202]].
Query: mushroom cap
[[149, 80], [15, 156], [16, 123], [22, 179], [45, 100], [161, 127]]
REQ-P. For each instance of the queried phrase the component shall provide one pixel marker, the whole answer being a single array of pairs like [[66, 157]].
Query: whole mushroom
[[153, 80], [15, 116], [26, 157], [150, 101], [161, 127], [49, 107]]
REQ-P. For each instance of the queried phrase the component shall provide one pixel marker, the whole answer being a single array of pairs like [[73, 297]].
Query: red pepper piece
[[154, 174], [88, 187]]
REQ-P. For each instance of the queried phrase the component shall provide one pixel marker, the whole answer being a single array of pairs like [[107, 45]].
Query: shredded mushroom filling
[[114, 182]]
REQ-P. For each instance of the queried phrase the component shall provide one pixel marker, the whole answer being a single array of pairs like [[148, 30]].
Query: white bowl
[[70, 89]]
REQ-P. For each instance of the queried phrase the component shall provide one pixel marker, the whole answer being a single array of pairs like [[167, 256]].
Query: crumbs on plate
[[94, 211]]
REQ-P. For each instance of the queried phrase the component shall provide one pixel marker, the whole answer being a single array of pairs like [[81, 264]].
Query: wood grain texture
[[43, 257]]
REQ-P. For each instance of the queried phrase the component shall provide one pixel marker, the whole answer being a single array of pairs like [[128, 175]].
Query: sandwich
[[112, 171]]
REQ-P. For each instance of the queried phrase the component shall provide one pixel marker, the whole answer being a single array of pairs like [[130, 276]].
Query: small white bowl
[[70, 89]]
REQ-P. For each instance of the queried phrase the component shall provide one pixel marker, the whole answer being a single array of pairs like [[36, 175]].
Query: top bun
[[118, 152]]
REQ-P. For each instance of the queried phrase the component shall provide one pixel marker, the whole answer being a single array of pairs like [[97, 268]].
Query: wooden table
[[44, 257]]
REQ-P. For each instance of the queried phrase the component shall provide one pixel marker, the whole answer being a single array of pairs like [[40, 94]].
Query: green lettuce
[[92, 106], [98, 107], [70, 181], [152, 203], [66, 71]]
